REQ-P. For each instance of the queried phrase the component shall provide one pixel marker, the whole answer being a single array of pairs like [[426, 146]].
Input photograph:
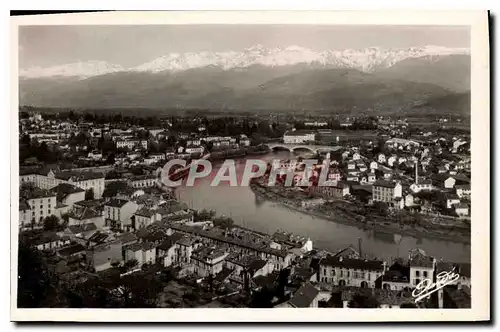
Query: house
[[42, 203], [421, 184], [80, 232], [463, 190], [85, 215], [247, 267], [449, 182], [351, 166], [68, 194], [451, 200], [362, 167], [95, 155], [50, 241], [385, 191], [131, 144], [143, 181], [337, 190], [338, 270], [391, 160], [381, 158], [118, 213], [145, 217], [245, 141], [285, 239], [352, 177], [373, 165], [208, 260], [334, 175], [397, 277], [98, 238], [185, 247], [307, 296], [372, 178], [143, 253], [191, 149], [166, 251], [410, 200], [421, 267], [299, 136], [73, 251], [356, 156], [102, 256], [462, 209], [86, 180]]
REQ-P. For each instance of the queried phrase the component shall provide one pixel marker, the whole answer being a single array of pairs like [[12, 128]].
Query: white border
[[480, 254]]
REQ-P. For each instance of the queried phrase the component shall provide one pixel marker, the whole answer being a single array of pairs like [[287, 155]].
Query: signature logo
[[426, 287]]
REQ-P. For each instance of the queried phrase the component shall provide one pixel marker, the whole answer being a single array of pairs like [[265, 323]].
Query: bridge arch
[[300, 147], [279, 147]]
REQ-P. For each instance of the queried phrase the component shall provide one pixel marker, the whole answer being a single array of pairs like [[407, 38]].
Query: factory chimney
[[416, 172]]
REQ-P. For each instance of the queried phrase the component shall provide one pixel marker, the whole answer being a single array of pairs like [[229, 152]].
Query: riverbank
[[336, 211]]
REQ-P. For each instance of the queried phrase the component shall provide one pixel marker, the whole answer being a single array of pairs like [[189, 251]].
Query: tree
[[363, 301], [89, 194], [381, 208], [135, 290], [223, 222], [262, 298], [130, 264], [51, 223], [65, 219], [114, 188], [34, 280], [110, 160]]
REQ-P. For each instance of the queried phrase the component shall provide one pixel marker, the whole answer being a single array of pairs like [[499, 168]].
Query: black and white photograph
[[279, 165]]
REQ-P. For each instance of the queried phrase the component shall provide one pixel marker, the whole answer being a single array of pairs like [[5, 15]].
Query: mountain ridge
[[369, 60]]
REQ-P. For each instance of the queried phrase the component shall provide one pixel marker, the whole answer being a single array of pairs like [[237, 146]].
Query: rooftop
[[84, 213], [420, 260], [76, 229], [114, 202], [353, 263], [304, 296], [78, 176], [385, 184], [35, 192], [463, 269], [71, 250], [64, 189], [299, 132]]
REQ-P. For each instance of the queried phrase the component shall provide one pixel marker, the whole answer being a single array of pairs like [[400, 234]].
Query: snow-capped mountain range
[[368, 60]]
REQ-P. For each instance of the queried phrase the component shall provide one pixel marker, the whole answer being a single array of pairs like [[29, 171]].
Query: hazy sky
[[133, 45]]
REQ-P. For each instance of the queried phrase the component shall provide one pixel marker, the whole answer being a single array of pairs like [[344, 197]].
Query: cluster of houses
[[402, 177], [132, 145], [335, 280]]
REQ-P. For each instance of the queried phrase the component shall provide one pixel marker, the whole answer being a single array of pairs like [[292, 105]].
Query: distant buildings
[[299, 136], [131, 144]]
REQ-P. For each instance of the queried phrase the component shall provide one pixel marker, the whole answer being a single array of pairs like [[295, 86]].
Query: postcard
[[282, 166]]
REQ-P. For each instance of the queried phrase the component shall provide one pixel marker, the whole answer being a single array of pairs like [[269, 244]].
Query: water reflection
[[250, 210]]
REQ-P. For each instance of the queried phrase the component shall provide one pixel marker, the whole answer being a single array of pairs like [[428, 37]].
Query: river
[[250, 211]]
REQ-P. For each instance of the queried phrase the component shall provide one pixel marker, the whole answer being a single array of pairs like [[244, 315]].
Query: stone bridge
[[311, 147]]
